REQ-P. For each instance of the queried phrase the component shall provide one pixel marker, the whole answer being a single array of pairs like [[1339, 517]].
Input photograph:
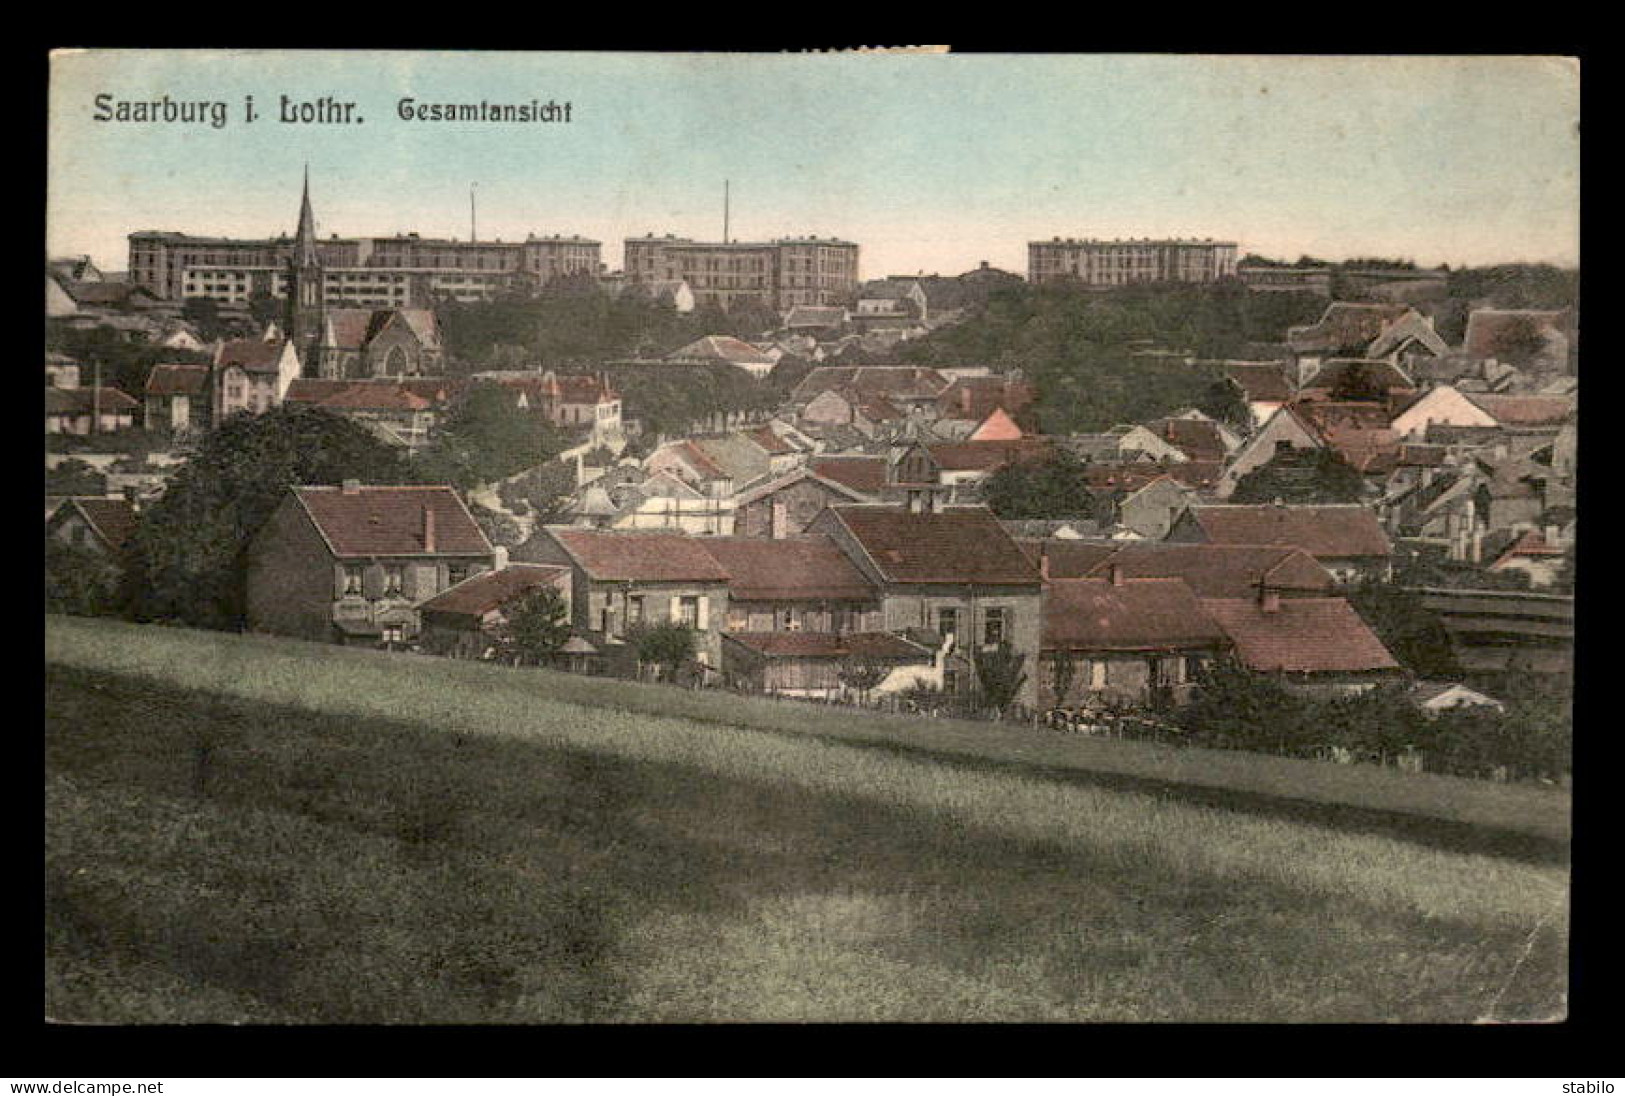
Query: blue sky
[[929, 162]]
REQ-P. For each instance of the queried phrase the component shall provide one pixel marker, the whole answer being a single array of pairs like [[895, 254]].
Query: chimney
[[1550, 534], [964, 398], [1116, 574], [1043, 563], [499, 557], [351, 487], [1269, 600], [428, 528]]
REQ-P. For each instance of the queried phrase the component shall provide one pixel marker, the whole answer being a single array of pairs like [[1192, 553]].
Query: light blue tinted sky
[[929, 162]]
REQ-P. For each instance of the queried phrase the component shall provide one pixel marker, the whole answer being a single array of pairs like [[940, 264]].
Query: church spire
[[305, 242]]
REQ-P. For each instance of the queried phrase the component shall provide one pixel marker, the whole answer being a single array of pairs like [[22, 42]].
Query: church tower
[[305, 312]]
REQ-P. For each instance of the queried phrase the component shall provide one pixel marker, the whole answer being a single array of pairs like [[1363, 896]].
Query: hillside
[[245, 829]]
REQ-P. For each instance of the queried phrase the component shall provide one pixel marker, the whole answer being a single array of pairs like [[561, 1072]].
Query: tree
[[1050, 487], [1414, 635], [1000, 674], [665, 646], [79, 580], [537, 626], [74, 477], [485, 437], [187, 559], [1303, 477], [861, 673]]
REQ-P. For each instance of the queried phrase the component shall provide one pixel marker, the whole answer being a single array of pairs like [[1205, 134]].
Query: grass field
[[249, 830]]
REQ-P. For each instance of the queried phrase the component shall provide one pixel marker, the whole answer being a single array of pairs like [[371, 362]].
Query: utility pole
[[471, 187], [724, 211]]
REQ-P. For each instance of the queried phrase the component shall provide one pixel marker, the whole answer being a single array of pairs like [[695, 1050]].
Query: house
[[1312, 645], [1264, 386], [61, 371], [399, 411], [466, 620], [1196, 439], [1136, 641], [1443, 405], [897, 300], [1356, 380], [866, 475], [179, 398], [954, 572], [662, 500], [672, 293], [352, 563], [818, 322], [1346, 539], [252, 375], [1533, 555], [786, 505], [621, 580], [998, 426], [816, 664], [728, 350], [973, 399], [1505, 631], [570, 401], [1346, 327], [801, 584], [963, 466], [1437, 697], [104, 525], [1151, 509], [1209, 570], [88, 410], [905, 387], [1286, 429], [1526, 338]]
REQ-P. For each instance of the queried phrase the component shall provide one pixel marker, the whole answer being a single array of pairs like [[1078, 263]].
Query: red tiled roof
[[350, 326], [490, 590], [253, 355], [975, 398], [1325, 532], [1529, 546], [1210, 570], [389, 521], [178, 380], [114, 520], [1139, 614], [1198, 439], [866, 474], [1488, 330], [1302, 635], [788, 570], [768, 440], [618, 556], [965, 456], [1523, 410], [883, 645], [1264, 381], [720, 347], [951, 546], [60, 401], [1346, 324]]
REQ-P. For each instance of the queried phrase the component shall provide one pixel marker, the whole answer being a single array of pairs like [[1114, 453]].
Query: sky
[[931, 163]]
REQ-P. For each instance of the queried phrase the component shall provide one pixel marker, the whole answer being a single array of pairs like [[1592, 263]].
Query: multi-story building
[[779, 275], [1125, 262], [379, 271]]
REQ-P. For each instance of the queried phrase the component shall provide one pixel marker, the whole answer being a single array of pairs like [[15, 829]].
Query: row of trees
[[1239, 709]]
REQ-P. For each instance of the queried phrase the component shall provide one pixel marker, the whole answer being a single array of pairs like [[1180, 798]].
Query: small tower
[[305, 312]]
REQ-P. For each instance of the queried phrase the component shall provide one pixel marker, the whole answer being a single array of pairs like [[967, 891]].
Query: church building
[[352, 343]]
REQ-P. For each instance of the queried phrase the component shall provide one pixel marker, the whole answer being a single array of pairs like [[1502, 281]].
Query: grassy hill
[[242, 829]]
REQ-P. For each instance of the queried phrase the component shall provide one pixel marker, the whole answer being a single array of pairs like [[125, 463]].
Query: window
[[1097, 673], [394, 580], [634, 610], [994, 622], [948, 622], [352, 578], [455, 573], [688, 611], [394, 633]]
